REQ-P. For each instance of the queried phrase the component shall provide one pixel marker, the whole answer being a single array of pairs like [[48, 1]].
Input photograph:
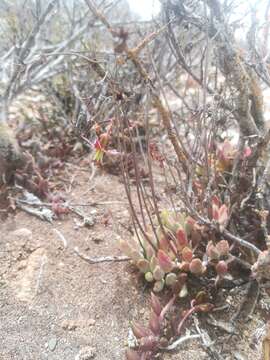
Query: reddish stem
[[188, 313]]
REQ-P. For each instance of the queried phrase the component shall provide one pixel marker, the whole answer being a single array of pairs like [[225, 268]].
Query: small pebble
[[52, 344]]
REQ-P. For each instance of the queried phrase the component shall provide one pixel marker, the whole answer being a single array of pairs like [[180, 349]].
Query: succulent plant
[[218, 251], [164, 261], [149, 338]]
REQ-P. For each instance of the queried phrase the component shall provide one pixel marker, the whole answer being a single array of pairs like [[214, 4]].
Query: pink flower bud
[[165, 261], [215, 213], [187, 254], [221, 268], [196, 267], [97, 145]]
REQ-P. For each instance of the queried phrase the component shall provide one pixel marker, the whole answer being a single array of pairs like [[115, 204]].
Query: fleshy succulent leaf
[[153, 263], [154, 323], [158, 273], [187, 254], [140, 331], [165, 261], [171, 279], [158, 286], [196, 267], [149, 277], [148, 343], [155, 304], [143, 265], [211, 251], [222, 268], [132, 355], [181, 238]]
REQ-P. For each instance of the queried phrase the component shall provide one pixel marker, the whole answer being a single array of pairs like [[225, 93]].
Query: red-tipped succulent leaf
[[165, 261]]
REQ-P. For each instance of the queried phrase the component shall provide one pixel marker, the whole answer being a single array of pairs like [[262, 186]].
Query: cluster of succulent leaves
[[149, 338], [154, 337], [168, 257], [222, 157]]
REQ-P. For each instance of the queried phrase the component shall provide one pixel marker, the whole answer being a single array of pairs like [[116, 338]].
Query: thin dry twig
[[181, 341], [61, 237], [102, 259]]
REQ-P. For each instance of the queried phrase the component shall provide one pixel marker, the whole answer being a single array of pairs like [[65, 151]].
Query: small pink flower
[[97, 145], [247, 152]]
